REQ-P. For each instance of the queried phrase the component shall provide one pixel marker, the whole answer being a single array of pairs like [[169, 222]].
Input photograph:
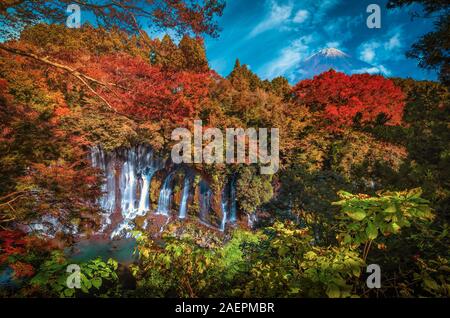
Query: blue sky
[[272, 36]]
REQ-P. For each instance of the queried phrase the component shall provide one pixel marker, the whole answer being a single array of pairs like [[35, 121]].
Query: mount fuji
[[332, 58]]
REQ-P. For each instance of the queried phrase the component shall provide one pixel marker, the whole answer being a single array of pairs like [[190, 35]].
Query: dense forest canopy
[[364, 175]]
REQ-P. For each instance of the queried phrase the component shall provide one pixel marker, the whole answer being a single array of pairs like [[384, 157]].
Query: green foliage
[[253, 190], [366, 217], [433, 276], [282, 260], [179, 268], [183, 268], [97, 278], [426, 138], [286, 263]]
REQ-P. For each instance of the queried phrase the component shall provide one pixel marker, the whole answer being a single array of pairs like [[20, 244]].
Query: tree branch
[[83, 78]]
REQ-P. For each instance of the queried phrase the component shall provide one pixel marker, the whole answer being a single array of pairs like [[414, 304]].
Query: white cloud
[[393, 42], [278, 14], [382, 50], [368, 51], [301, 16], [380, 69], [370, 70], [288, 57], [320, 9], [384, 70]]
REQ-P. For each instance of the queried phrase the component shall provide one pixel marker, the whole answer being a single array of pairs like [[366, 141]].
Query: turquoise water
[[83, 251], [120, 250], [6, 278]]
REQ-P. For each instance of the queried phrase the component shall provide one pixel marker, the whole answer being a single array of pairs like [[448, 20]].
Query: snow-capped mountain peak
[[331, 52], [331, 58]]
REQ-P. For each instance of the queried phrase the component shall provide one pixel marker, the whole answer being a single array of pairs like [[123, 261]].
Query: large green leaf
[[391, 209], [333, 291], [69, 292], [96, 282], [371, 231], [357, 214], [394, 227]]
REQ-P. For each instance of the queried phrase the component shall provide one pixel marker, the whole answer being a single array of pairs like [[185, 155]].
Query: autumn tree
[[253, 190], [242, 78], [183, 16], [194, 53], [167, 54], [188, 55], [175, 96], [345, 100], [281, 87], [44, 169]]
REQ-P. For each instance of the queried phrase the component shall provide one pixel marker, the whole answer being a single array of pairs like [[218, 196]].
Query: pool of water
[[84, 251], [120, 250], [6, 278]]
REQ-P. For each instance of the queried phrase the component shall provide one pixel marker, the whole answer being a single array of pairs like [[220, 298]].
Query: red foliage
[[66, 190], [11, 243], [17, 245], [145, 91], [22, 269], [339, 98]]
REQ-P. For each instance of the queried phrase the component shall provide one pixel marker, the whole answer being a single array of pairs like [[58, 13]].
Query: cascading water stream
[[165, 196], [205, 200], [128, 183], [185, 196], [136, 174], [224, 205], [107, 201], [144, 198], [228, 203], [147, 167], [233, 201], [131, 192]]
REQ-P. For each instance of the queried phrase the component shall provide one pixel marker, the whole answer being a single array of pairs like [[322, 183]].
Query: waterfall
[[135, 167], [126, 189], [107, 201], [144, 200], [128, 183], [165, 196], [233, 201], [205, 200], [229, 204], [252, 219], [224, 205], [184, 199], [123, 228], [136, 175]]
